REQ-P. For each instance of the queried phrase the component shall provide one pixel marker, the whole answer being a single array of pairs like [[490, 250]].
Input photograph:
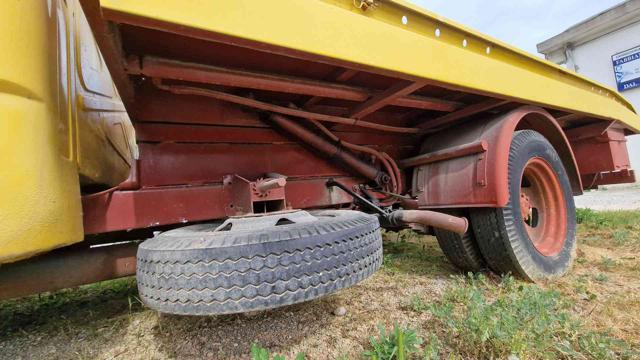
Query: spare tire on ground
[[262, 263]]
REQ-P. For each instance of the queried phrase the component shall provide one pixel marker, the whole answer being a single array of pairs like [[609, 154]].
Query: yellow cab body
[[62, 125]]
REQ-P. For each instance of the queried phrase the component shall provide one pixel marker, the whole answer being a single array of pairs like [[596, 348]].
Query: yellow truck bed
[[393, 37]]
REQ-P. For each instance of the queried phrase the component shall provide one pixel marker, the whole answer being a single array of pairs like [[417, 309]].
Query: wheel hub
[[525, 206], [543, 207]]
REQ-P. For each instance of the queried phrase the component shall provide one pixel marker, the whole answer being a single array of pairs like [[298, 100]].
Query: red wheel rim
[[543, 207]]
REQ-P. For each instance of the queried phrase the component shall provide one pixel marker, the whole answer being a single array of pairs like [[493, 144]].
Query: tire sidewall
[[534, 264]]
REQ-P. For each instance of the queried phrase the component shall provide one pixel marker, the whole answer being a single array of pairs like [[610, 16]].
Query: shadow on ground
[[232, 335], [71, 308], [107, 320]]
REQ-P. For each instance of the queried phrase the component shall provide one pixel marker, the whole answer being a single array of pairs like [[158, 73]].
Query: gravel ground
[[611, 198]]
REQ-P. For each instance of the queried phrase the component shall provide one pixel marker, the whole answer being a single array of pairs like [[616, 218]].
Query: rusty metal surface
[[157, 106], [170, 69], [327, 149], [600, 149], [340, 75], [543, 207], [446, 154], [480, 180], [264, 185], [592, 181], [146, 208], [261, 105], [203, 133], [243, 197], [461, 114], [167, 163], [190, 140], [65, 268], [389, 97], [458, 225], [133, 181], [505, 71]]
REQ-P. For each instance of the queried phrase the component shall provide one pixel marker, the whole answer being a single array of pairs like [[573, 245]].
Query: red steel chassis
[[188, 143]]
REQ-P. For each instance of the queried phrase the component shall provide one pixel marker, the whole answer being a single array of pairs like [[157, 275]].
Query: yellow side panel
[[393, 37], [40, 205]]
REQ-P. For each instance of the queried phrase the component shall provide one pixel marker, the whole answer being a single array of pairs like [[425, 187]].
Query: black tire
[[501, 233], [194, 271], [461, 250]]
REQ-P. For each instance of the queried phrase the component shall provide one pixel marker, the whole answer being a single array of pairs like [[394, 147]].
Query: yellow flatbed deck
[[393, 38]]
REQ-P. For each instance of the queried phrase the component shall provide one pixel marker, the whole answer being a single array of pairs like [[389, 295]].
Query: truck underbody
[[229, 126]]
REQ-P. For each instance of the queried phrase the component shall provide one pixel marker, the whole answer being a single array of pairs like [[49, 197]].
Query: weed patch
[[400, 343], [607, 263], [592, 218], [602, 278], [483, 318], [260, 353], [479, 317], [408, 253], [610, 229]]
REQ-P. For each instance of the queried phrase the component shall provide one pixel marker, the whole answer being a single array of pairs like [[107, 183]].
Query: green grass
[[609, 228], [607, 263], [400, 343], [406, 253], [610, 220], [600, 277], [260, 353], [489, 319], [476, 317]]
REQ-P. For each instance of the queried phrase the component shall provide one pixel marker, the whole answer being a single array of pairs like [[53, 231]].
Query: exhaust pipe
[[400, 218], [458, 225]]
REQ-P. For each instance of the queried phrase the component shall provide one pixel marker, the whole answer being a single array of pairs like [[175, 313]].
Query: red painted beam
[[195, 133], [570, 117], [124, 210], [172, 163], [260, 105], [475, 147], [207, 74], [67, 267], [342, 75], [378, 101], [592, 181], [462, 113], [187, 133]]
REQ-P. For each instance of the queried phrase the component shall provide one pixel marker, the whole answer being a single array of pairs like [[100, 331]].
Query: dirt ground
[[107, 321]]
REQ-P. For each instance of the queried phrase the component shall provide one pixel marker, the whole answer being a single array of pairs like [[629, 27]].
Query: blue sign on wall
[[626, 66]]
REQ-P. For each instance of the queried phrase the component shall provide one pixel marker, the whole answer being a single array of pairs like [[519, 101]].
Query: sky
[[523, 23]]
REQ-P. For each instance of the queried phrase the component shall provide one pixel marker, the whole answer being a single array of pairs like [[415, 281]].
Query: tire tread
[[222, 274]]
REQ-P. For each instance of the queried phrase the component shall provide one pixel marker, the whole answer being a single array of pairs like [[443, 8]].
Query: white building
[[591, 48]]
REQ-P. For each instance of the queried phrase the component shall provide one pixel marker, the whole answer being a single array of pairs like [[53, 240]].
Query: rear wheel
[[461, 250], [534, 235]]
